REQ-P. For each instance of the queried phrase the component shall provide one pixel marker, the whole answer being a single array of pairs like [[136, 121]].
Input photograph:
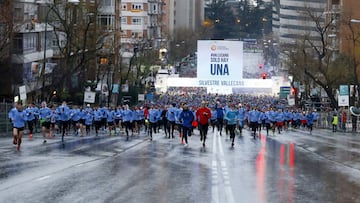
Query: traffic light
[[264, 76]]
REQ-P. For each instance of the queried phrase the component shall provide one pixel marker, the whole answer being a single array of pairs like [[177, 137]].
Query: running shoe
[[15, 141]]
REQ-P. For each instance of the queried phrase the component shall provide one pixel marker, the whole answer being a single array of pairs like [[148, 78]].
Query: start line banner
[[220, 63]]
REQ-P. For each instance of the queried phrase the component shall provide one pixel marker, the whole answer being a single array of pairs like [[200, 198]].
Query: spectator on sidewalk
[[343, 120], [354, 122], [335, 121]]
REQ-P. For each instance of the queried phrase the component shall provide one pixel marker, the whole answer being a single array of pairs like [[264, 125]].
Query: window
[[123, 7], [136, 21], [106, 3], [137, 7], [17, 14], [123, 20], [136, 34], [30, 42], [106, 20], [18, 43], [56, 43]]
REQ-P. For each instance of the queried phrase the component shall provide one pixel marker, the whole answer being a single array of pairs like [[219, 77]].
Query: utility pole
[[117, 45]]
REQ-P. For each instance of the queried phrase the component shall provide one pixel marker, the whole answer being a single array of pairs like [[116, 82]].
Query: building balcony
[[107, 10], [136, 10], [21, 58]]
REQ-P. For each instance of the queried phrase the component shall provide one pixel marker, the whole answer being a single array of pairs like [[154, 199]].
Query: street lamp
[[42, 74]]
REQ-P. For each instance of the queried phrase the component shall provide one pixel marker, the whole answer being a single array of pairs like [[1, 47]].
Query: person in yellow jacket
[[335, 121]]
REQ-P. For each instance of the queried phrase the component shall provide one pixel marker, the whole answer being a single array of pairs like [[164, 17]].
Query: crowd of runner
[[177, 112]]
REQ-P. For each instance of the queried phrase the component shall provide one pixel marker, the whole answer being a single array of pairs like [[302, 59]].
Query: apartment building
[[140, 23], [345, 20], [31, 50], [290, 21]]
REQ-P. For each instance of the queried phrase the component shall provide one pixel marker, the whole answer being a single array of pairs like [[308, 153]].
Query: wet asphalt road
[[293, 166]]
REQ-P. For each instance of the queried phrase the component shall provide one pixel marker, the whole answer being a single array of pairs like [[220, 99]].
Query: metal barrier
[[5, 124], [325, 122]]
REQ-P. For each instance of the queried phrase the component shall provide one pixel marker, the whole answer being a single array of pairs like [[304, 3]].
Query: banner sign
[[89, 97], [141, 97], [22, 91], [344, 90], [220, 63], [343, 100]]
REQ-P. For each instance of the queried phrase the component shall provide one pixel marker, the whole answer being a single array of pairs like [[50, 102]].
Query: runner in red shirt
[[203, 114]]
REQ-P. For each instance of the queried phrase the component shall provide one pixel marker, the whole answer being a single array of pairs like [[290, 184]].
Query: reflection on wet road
[[291, 167]]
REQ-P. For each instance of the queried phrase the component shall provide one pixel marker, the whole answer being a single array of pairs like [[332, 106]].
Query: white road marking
[[215, 177], [43, 178], [224, 170]]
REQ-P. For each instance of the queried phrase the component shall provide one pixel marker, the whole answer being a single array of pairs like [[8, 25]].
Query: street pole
[[42, 74]]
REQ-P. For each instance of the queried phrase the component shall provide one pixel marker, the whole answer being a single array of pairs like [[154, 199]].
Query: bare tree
[[313, 55], [6, 36], [76, 37], [184, 42]]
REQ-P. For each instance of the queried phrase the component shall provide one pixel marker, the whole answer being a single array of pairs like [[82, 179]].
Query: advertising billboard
[[220, 63]]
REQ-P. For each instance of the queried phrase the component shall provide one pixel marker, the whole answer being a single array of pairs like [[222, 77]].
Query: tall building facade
[[346, 17], [291, 21], [343, 35], [186, 14]]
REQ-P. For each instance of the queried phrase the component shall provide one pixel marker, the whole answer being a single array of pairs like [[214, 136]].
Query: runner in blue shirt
[[97, 120], [127, 120], [288, 116], [253, 118], [310, 120], [231, 120], [30, 117], [280, 120], [186, 117], [213, 119], [18, 119], [154, 116], [64, 115], [170, 115], [220, 112], [118, 119], [241, 118], [110, 119], [75, 119], [88, 121], [44, 116]]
